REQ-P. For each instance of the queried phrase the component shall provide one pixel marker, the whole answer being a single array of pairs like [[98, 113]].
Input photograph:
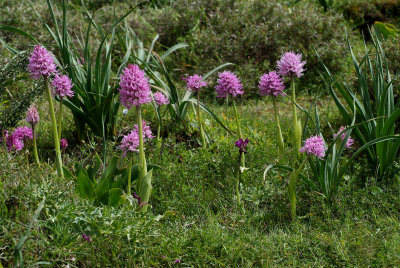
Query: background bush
[[251, 34]]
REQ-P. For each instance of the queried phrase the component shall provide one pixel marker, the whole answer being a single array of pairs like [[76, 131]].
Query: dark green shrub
[[252, 34], [365, 13], [373, 104]]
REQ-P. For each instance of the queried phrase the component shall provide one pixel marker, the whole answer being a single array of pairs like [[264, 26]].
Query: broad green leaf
[[84, 186], [114, 197]]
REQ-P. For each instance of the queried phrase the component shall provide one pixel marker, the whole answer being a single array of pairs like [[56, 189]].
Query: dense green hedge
[[252, 34]]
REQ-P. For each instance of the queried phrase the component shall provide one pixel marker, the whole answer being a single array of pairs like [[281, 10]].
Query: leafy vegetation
[[283, 180], [362, 222], [376, 107]]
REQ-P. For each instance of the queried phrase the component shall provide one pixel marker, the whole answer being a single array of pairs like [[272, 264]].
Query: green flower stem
[[280, 137], [239, 129], [60, 171], [237, 119], [144, 179], [239, 203], [159, 140], [60, 119], [146, 190], [35, 148], [142, 157], [296, 123], [203, 140], [130, 173], [292, 188]]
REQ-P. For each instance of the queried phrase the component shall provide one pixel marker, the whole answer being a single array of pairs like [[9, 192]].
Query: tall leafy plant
[[374, 104], [160, 77], [328, 171], [104, 186], [95, 105], [105, 189]]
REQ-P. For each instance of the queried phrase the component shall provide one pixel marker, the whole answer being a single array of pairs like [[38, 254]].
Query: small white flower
[[125, 111]]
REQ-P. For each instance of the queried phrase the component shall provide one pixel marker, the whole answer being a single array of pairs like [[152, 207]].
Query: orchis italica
[[228, 84], [349, 142], [135, 91], [291, 66], [15, 141], [135, 87], [62, 87], [11, 142], [194, 83], [41, 65], [32, 117], [81, 61], [130, 144], [313, 146], [241, 144], [271, 84], [147, 133], [160, 98]]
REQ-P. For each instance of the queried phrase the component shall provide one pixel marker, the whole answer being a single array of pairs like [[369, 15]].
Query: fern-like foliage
[[13, 105]]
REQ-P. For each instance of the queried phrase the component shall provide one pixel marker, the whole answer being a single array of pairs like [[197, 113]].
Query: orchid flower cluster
[[314, 146], [17, 139], [42, 66], [271, 84], [135, 91], [194, 84], [228, 84], [290, 65]]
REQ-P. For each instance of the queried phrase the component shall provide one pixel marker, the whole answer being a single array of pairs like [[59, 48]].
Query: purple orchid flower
[[86, 237], [139, 199], [241, 144]]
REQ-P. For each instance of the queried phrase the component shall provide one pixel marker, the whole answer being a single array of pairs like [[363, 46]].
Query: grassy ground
[[193, 216]]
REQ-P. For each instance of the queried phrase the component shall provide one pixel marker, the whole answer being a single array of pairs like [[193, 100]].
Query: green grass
[[202, 226]]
